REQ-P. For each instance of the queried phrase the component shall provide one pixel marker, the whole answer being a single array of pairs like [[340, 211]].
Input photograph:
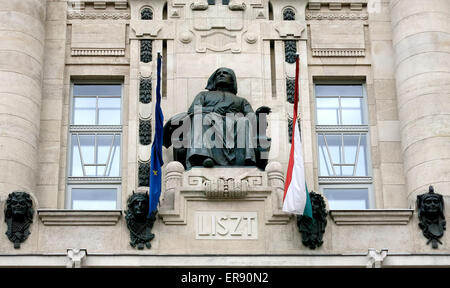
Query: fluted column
[[22, 35], [421, 37]]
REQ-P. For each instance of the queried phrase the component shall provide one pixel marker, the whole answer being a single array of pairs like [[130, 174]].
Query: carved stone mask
[[432, 204], [139, 206]]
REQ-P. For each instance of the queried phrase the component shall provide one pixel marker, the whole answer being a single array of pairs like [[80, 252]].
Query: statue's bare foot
[[208, 163]]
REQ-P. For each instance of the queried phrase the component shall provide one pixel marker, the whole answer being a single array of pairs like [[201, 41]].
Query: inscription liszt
[[226, 225]]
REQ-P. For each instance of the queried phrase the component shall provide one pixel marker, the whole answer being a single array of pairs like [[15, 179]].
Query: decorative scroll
[[290, 51], [145, 132], [288, 14], [290, 89], [146, 50], [145, 90], [144, 174], [146, 14]]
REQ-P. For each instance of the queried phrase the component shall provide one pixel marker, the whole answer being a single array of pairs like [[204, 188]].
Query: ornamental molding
[[335, 16], [372, 216], [50, 217], [81, 15], [98, 52], [338, 52]]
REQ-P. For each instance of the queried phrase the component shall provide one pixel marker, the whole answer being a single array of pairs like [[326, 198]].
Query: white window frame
[[93, 181], [350, 182]]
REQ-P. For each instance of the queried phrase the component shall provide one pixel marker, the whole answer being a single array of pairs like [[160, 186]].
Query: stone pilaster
[[22, 30], [421, 38]]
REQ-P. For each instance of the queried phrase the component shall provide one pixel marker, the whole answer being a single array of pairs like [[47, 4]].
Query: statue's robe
[[227, 143]]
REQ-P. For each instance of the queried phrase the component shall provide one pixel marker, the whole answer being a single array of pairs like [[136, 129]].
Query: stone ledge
[[79, 217], [372, 217]]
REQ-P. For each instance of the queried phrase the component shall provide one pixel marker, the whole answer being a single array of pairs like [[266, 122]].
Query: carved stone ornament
[[145, 132], [146, 50], [145, 90], [290, 128], [18, 217], [144, 174], [290, 51], [137, 222], [146, 14], [312, 230], [290, 89], [288, 14], [431, 216]]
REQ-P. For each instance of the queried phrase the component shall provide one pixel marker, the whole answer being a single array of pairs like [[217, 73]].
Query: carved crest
[[312, 230], [18, 217], [138, 223], [431, 216]]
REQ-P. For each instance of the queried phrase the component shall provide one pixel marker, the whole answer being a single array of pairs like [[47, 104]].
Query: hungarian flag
[[156, 160], [296, 197]]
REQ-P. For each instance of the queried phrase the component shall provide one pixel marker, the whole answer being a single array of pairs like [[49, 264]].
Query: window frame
[[89, 129], [342, 182]]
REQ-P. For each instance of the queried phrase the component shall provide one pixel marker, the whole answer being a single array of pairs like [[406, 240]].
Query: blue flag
[[156, 160]]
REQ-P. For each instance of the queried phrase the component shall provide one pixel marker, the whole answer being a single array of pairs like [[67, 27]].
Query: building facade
[[77, 98]]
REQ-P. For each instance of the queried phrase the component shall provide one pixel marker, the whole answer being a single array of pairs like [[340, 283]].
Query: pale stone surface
[[405, 71]]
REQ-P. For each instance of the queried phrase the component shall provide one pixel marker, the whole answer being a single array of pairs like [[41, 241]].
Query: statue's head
[[222, 78], [138, 205], [19, 206], [430, 204]]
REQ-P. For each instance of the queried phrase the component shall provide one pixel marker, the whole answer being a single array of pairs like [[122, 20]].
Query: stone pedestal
[[224, 203]]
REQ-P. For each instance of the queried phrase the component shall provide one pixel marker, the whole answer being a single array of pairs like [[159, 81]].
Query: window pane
[[362, 164], [75, 167], [87, 144], [94, 198], [339, 90], [97, 90], [84, 111], [352, 112], [113, 169], [327, 111], [325, 167], [347, 198], [109, 111]]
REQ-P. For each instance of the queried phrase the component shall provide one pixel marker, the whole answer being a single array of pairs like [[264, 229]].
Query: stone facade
[[399, 50]]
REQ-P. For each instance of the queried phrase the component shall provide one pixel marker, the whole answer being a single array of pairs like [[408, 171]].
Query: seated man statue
[[219, 128]]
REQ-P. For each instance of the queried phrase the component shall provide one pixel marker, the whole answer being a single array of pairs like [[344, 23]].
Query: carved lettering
[[226, 225]]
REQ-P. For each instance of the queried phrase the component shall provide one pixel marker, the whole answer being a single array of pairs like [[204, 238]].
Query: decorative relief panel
[[144, 174], [249, 184], [290, 89], [145, 132], [146, 50], [145, 90], [94, 39], [343, 40], [290, 51]]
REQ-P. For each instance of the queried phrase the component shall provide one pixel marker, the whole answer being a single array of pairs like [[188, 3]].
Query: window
[[343, 145], [94, 170]]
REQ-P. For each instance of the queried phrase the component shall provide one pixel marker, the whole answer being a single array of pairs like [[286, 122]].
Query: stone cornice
[[51, 217], [372, 216]]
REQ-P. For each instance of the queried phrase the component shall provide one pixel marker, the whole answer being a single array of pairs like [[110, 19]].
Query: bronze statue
[[18, 217], [312, 230], [137, 222], [219, 128], [431, 216]]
